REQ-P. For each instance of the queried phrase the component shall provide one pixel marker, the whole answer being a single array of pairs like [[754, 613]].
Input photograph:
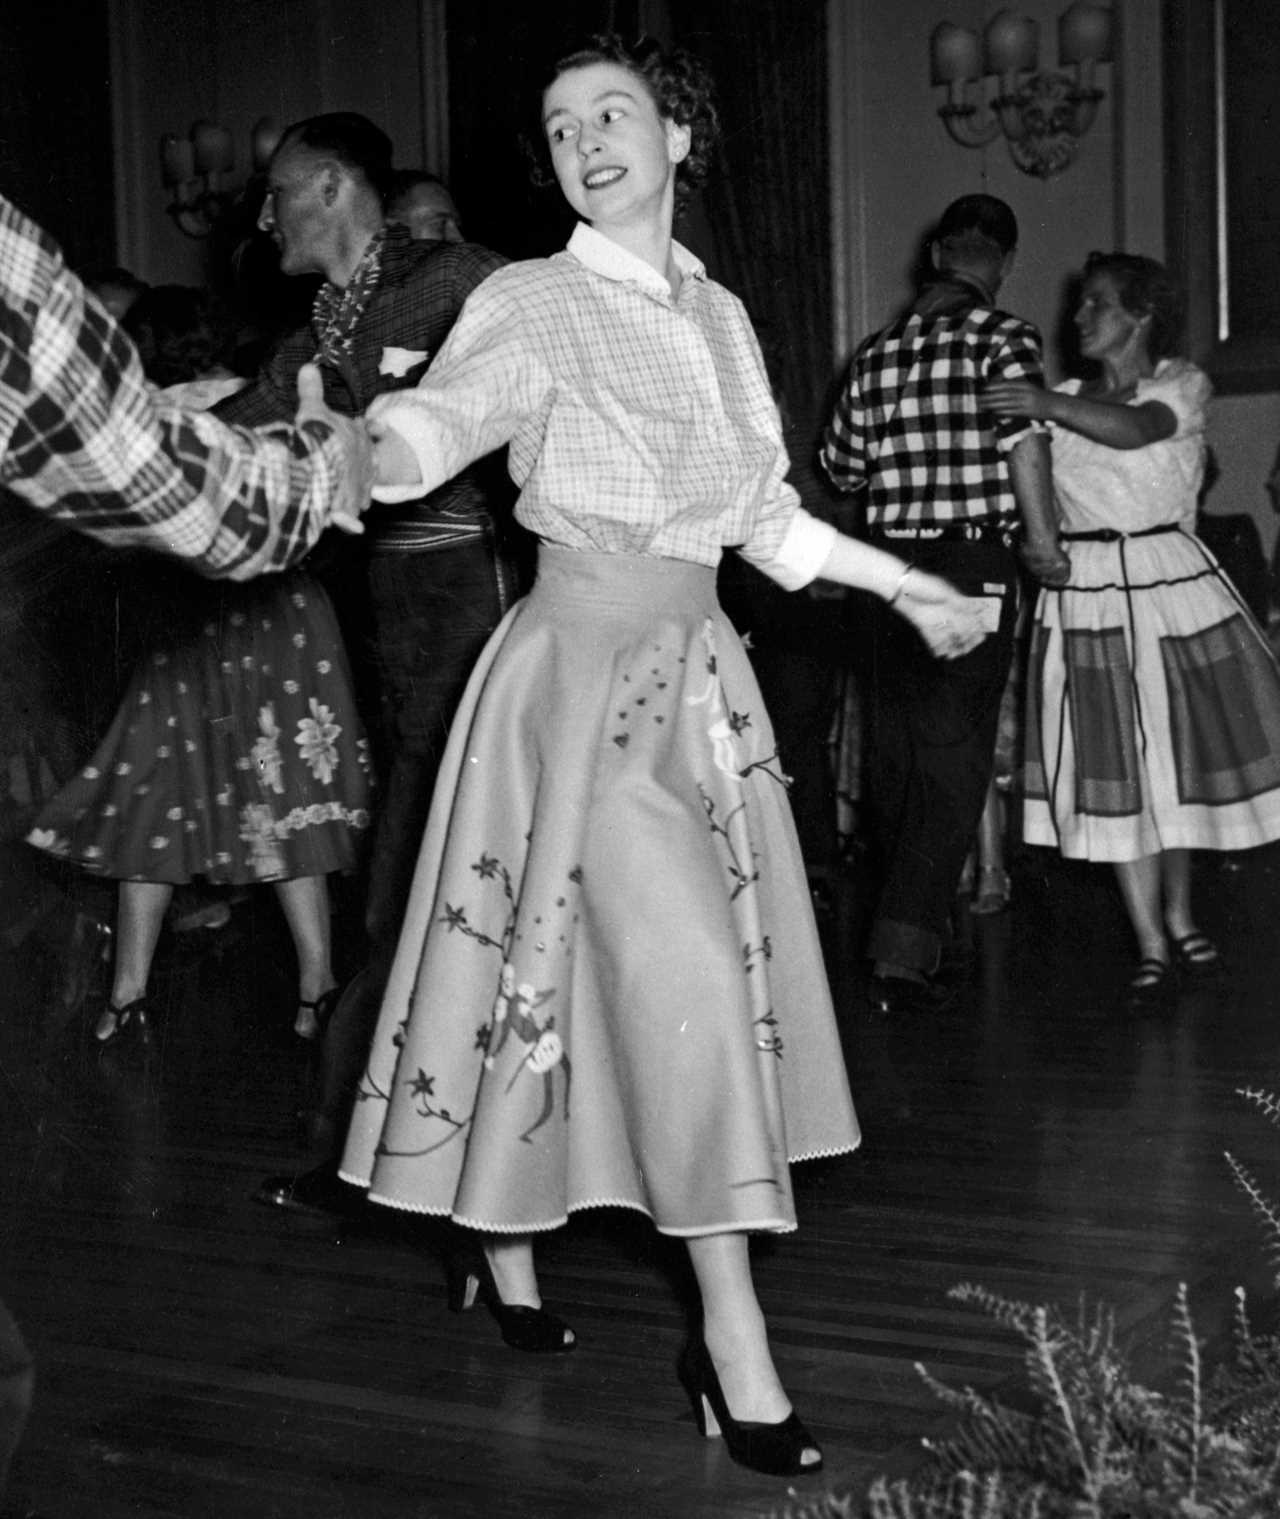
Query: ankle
[[744, 1368], [515, 1278]]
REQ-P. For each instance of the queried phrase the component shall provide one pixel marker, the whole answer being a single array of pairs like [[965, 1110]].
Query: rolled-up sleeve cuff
[[1015, 429], [414, 425], [802, 553]]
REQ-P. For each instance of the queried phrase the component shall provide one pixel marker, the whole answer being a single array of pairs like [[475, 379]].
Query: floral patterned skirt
[[1153, 707], [236, 754], [608, 988]]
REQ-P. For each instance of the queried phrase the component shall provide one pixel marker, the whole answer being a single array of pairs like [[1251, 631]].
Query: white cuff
[[802, 553], [414, 425]]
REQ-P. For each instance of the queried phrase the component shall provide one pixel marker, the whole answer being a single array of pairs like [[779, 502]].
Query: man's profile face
[[295, 211], [429, 213]]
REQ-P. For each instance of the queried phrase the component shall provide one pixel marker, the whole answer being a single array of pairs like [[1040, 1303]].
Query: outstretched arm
[[1112, 423], [950, 623]]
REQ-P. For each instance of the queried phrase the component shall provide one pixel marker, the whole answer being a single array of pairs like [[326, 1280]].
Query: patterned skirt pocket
[[1224, 713]]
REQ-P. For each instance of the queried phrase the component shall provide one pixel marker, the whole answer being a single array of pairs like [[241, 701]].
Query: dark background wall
[[55, 121]]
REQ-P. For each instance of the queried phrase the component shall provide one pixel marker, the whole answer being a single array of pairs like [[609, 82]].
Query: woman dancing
[[609, 990], [1153, 698], [236, 755]]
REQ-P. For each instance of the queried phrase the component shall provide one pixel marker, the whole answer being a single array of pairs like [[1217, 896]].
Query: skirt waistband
[[1113, 535], [624, 583]]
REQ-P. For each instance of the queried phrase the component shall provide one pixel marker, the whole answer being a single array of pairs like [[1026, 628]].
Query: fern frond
[[1262, 1206], [1187, 1429], [1013, 1315], [1267, 1103]]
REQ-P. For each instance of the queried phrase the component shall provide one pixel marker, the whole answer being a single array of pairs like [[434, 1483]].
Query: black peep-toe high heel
[[523, 1328], [777, 1450]]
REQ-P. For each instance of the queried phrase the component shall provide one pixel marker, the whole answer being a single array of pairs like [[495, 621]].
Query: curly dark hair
[[1145, 288], [679, 85], [179, 332]]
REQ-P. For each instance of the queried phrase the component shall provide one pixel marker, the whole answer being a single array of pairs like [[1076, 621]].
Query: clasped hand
[[354, 481], [950, 623]]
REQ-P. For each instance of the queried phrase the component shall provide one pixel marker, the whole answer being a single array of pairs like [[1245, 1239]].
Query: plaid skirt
[[609, 988], [1153, 707]]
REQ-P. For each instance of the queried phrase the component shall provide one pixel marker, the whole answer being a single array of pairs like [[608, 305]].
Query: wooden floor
[[198, 1355]]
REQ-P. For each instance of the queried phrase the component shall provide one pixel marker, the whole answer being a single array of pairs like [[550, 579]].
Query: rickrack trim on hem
[[482, 1226]]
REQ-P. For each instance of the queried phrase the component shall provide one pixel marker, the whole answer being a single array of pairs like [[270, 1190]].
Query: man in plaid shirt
[[82, 439], [436, 583], [949, 487]]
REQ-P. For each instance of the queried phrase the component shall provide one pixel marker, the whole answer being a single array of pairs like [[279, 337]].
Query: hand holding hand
[[355, 482], [1018, 398], [949, 622]]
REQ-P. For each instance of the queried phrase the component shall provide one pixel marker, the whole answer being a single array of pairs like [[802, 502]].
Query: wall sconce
[[1042, 116], [192, 167]]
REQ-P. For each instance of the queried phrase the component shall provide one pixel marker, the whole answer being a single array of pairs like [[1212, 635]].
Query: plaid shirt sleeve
[[844, 445], [82, 439], [1016, 356], [273, 395]]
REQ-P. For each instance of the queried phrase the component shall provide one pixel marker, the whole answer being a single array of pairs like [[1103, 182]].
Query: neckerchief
[[338, 308]]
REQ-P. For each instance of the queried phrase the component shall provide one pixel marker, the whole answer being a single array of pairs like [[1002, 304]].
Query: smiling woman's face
[[613, 153], [1105, 325]]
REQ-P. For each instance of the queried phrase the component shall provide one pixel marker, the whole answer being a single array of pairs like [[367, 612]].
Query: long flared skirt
[[608, 988], [1153, 707], [236, 755]]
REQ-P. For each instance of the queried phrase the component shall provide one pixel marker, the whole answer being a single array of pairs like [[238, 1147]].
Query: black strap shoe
[[319, 1192], [898, 996]]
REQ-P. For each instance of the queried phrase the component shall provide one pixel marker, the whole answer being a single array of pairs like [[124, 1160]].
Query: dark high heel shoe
[[777, 1450], [313, 1017], [523, 1328], [131, 1021]]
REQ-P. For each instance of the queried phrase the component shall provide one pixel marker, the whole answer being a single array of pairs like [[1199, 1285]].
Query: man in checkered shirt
[[431, 570], [82, 439], [949, 487]]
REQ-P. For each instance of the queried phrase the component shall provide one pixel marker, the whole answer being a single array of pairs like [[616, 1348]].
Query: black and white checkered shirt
[[909, 424]]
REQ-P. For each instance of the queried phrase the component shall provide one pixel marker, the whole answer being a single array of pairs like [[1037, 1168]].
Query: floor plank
[[199, 1355]]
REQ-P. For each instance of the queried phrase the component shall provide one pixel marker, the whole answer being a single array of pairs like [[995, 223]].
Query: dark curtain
[[766, 213], [55, 123], [499, 55]]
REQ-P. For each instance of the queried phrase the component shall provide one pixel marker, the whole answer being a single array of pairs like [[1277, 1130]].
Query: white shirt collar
[[603, 256]]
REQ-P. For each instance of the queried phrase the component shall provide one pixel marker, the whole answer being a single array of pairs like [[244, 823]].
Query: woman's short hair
[[349, 138], [1145, 288], [679, 85], [179, 333]]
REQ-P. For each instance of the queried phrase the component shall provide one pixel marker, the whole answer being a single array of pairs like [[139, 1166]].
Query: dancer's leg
[[1140, 886], [140, 910], [1175, 882], [734, 1331], [305, 903]]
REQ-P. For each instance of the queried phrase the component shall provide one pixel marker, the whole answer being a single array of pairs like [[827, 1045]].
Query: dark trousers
[[797, 645], [931, 742], [432, 613]]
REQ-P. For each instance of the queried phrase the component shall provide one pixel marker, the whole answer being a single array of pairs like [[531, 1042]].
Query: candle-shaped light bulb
[[956, 54], [263, 139], [177, 160], [1012, 44], [214, 148], [1084, 33]]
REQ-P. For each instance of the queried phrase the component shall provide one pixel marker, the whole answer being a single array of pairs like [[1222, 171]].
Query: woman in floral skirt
[[609, 989], [236, 755]]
